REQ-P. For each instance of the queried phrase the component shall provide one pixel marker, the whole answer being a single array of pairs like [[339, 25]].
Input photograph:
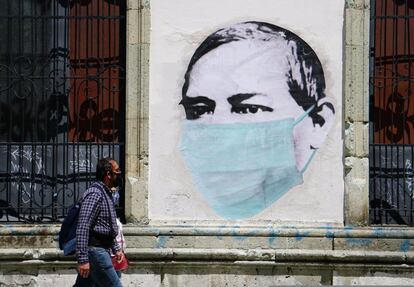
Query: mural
[[256, 112]]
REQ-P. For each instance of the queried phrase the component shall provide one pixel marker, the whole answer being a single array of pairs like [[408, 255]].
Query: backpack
[[67, 233]]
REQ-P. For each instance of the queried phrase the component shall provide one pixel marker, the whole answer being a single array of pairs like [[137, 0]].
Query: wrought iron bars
[[392, 112], [61, 101]]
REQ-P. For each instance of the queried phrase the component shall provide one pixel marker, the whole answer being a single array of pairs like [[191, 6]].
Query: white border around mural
[[177, 28]]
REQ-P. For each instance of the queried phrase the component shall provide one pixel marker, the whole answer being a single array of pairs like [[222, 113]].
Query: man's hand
[[119, 256], [83, 270]]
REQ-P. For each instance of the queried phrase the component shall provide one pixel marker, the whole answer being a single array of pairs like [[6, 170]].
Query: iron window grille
[[62, 97], [392, 112]]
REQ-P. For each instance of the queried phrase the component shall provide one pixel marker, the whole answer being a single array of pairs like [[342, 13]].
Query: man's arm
[[115, 246], [117, 250], [87, 215]]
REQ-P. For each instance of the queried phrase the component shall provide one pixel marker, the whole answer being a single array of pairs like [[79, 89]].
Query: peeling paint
[[356, 241], [405, 245], [235, 234], [161, 241], [272, 236], [299, 236], [329, 231]]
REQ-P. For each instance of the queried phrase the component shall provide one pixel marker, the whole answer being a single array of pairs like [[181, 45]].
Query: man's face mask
[[117, 181], [242, 168]]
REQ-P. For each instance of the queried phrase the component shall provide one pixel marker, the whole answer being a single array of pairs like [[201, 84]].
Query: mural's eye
[[239, 110], [253, 109], [194, 112], [197, 106], [249, 109]]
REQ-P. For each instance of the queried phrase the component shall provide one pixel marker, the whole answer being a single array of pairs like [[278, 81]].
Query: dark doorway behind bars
[[392, 112], [62, 97]]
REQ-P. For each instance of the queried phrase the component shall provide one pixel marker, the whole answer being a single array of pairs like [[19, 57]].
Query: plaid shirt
[[95, 215]]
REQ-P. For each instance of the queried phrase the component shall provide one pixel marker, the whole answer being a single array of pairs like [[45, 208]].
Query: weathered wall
[[206, 256], [356, 103], [210, 275], [164, 253]]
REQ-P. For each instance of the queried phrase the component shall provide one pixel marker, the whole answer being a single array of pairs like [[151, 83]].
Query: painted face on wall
[[256, 113]]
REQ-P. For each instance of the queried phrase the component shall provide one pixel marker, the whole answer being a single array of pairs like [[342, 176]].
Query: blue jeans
[[102, 272]]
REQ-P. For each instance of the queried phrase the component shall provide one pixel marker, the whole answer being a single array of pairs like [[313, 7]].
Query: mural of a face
[[256, 112]]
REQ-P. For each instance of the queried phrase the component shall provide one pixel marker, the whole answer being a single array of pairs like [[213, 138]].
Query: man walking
[[97, 229]]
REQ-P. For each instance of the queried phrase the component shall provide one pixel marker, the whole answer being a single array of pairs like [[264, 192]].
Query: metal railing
[[62, 97], [392, 112]]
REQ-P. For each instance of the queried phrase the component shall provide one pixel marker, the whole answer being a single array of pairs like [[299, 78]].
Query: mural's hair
[[305, 77], [102, 167]]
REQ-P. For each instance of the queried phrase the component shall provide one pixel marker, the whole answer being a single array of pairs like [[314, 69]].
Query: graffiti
[[391, 183], [392, 113], [396, 122], [405, 245], [84, 159], [248, 140], [22, 162], [80, 163], [27, 116], [409, 181], [34, 187], [91, 125]]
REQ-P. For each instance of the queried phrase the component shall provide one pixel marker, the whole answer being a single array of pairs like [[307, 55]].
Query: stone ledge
[[51, 255], [229, 230], [166, 238]]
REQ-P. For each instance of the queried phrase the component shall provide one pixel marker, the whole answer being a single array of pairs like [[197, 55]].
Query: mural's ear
[[320, 131], [310, 135]]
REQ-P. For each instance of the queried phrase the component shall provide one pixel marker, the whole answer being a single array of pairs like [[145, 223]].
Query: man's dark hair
[[104, 165]]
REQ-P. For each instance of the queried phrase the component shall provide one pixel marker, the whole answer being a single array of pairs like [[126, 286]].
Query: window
[[392, 112], [62, 97]]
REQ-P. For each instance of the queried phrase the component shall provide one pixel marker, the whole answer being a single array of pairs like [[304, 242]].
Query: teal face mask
[[242, 168]]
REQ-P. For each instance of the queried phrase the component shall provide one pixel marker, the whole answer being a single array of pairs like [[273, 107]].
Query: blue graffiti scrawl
[[256, 113]]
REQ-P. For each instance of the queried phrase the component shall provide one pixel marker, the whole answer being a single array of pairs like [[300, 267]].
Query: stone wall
[[209, 256], [270, 254]]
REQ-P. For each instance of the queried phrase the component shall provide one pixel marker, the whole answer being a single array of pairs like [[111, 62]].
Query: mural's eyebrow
[[238, 98], [190, 101]]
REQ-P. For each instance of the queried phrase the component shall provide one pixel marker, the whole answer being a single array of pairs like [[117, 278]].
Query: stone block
[[354, 27], [136, 199], [133, 73], [356, 191], [374, 244], [145, 24], [134, 277], [357, 139], [372, 278], [24, 241], [356, 84], [229, 242], [133, 4], [357, 4], [133, 27], [204, 276]]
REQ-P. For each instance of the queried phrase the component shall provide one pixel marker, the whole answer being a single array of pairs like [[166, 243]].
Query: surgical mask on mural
[[242, 168]]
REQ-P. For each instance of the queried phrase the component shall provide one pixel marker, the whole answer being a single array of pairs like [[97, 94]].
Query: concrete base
[[210, 274]]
